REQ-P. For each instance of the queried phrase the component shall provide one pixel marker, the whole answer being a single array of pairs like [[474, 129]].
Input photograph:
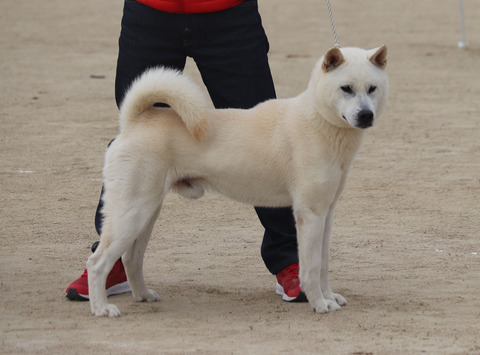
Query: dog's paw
[[337, 298], [110, 310], [325, 306], [147, 296], [340, 299]]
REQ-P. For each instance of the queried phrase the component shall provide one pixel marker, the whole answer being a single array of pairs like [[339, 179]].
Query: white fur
[[287, 152]]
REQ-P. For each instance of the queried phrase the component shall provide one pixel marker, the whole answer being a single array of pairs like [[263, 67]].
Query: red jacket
[[190, 6]]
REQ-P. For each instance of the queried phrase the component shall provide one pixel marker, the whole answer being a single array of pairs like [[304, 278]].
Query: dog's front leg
[[311, 233], [324, 282]]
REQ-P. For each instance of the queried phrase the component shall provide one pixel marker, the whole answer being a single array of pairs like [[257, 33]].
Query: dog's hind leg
[[99, 265], [133, 261], [134, 188], [127, 227]]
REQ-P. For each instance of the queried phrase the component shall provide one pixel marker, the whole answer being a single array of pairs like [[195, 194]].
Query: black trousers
[[230, 50]]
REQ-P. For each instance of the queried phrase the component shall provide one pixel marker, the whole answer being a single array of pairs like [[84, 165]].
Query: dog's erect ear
[[379, 57], [332, 59]]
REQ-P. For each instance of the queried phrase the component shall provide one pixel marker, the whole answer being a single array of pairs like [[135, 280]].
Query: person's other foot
[[288, 284], [116, 284]]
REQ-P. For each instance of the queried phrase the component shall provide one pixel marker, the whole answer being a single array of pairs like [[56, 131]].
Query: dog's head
[[351, 86]]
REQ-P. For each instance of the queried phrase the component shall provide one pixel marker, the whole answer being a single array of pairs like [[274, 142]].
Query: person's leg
[[279, 245], [230, 49], [148, 38]]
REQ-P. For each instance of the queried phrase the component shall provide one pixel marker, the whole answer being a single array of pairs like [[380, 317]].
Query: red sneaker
[[288, 284], [116, 283]]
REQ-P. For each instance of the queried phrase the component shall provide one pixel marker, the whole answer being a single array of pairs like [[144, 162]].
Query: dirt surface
[[406, 240]]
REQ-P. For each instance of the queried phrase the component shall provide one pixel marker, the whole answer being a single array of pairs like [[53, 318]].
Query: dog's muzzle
[[365, 119]]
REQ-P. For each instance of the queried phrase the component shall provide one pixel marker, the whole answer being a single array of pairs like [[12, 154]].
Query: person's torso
[[190, 6]]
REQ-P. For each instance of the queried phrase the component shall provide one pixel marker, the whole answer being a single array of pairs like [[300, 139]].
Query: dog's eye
[[372, 89], [347, 89]]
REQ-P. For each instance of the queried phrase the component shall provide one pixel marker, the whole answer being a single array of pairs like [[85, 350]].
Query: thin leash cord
[[332, 23]]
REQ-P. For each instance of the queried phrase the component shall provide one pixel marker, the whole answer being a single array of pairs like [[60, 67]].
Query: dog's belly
[[254, 194]]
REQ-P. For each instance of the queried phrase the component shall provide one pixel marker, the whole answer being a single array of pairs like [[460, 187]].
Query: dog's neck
[[345, 141], [317, 115]]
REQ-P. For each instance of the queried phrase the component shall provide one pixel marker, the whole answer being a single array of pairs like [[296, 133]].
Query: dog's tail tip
[[200, 130], [171, 87]]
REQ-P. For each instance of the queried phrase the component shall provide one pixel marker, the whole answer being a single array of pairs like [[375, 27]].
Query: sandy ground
[[405, 248]]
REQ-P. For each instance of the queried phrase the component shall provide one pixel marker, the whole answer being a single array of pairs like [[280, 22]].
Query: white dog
[[285, 152]]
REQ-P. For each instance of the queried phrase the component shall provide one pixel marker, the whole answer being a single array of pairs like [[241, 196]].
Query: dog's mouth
[[364, 124]]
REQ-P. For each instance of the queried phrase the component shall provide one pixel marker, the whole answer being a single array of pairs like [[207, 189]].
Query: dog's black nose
[[365, 119]]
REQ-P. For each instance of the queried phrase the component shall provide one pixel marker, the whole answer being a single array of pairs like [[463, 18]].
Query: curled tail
[[161, 85]]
